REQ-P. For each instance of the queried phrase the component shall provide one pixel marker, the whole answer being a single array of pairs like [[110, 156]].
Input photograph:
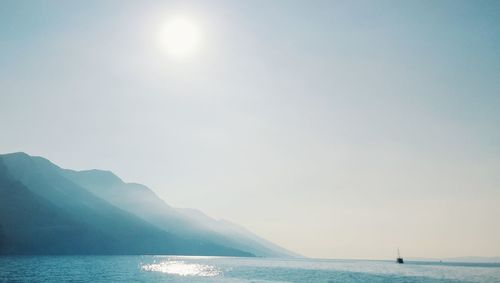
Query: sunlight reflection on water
[[231, 269], [182, 268]]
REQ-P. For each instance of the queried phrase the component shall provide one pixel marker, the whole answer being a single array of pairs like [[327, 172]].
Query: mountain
[[47, 209], [187, 223], [238, 235], [42, 212]]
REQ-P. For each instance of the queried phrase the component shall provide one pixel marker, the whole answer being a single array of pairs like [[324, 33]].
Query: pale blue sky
[[337, 129]]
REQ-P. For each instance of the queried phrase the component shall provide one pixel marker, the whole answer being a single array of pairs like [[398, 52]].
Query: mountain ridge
[[98, 198]]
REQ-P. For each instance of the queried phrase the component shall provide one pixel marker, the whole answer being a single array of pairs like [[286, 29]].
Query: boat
[[399, 259]]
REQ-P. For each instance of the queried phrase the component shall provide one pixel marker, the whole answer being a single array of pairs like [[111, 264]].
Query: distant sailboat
[[399, 259]]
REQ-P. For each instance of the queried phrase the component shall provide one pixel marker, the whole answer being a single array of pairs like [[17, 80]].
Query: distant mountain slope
[[94, 211], [31, 224], [242, 238], [44, 212], [143, 202]]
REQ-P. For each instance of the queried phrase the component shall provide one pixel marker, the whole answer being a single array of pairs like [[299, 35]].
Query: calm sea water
[[227, 269]]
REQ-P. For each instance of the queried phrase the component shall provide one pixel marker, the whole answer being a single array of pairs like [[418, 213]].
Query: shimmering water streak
[[182, 268]]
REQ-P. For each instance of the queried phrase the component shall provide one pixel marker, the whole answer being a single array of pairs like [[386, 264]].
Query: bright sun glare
[[180, 37]]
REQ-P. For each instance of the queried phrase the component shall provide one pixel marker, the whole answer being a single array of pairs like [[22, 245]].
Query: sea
[[231, 269]]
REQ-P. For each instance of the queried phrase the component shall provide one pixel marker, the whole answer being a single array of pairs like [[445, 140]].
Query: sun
[[180, 37]]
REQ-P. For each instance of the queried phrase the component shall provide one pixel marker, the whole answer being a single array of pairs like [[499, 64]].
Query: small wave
[[182, 268]]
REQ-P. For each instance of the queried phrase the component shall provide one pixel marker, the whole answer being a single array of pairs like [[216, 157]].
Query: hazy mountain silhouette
[[236, 235], [47, 209], [188, 223], [43, 212]]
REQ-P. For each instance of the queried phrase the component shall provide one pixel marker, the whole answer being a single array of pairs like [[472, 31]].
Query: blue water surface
[[230, 269]]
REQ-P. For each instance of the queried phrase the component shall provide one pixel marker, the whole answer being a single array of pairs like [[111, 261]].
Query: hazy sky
[[340, 129]]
